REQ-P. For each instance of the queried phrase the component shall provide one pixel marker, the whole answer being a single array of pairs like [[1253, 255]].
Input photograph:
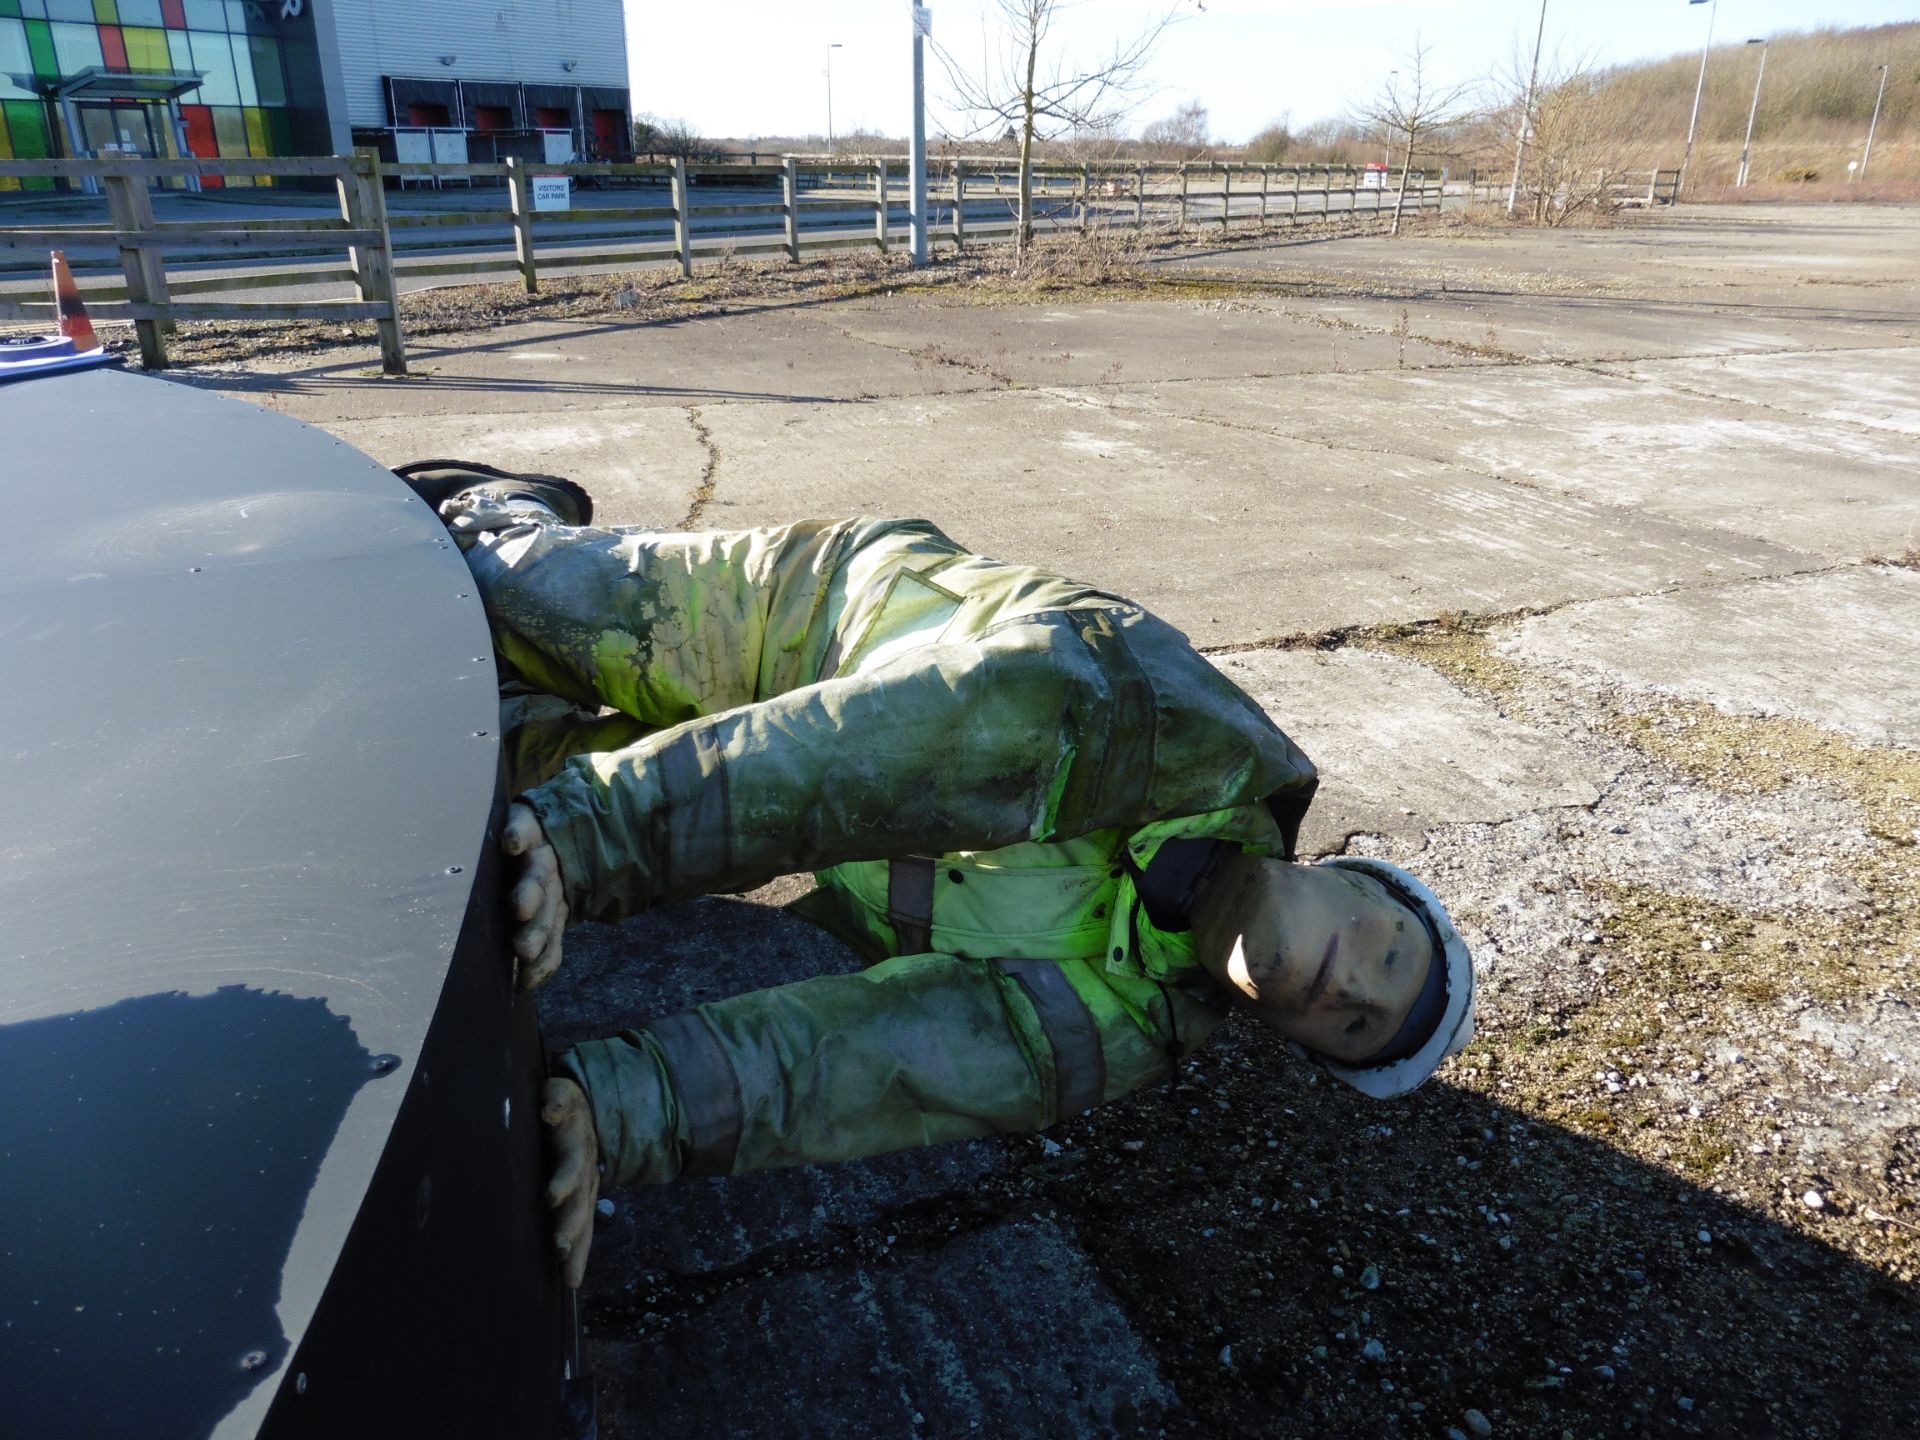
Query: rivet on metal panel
[[193, 569], [300, 1383], [506, 1112], [385, 1064], [479, 734], [454, 869], [253, 1359]]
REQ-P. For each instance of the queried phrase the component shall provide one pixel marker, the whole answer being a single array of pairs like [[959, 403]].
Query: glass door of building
[[123, 128]]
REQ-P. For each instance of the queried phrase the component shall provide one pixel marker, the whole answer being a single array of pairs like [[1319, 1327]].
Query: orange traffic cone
[[74, 323]]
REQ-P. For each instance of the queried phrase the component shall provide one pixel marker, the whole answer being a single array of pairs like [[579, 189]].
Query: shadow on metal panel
[[270, 1153], [183, 1205]]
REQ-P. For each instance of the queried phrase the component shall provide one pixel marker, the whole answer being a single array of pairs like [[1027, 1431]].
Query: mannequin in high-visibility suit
[[1030, 804]]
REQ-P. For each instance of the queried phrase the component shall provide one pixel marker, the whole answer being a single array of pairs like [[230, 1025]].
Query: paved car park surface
[[1583, 563]]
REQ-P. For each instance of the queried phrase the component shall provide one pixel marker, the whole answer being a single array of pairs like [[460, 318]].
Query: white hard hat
[[1455, 1029]]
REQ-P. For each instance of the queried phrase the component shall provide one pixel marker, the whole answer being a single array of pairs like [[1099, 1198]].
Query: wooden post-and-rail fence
[[812, 203]]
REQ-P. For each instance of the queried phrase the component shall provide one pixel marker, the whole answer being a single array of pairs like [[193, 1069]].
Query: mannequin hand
[[537, 902], [571, 1193]]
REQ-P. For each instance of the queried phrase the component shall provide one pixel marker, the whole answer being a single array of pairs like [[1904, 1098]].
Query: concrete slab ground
[[1638, 446], [643, 464], [773, 355], [1584, 327], [1758, 249], [1694, 925], [1880, 388], [1401, 750], [1835, 648], [1128, 343], [1066, 477]]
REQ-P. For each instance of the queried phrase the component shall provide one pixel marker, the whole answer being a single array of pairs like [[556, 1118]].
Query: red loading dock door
[[607, 125]]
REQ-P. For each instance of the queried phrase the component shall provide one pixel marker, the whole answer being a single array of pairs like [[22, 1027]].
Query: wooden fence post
[[880, 205], [1266, 184], [790, 196], [1086, 194], [1226, 196], [365, 205], [1293, 210], [1140, 198], [152, 259], [126, 212], [959, 206], [682, 218], [521, 203], [1182, 228]]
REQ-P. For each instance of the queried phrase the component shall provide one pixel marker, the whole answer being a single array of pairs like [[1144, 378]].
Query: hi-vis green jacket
[[977, 758]]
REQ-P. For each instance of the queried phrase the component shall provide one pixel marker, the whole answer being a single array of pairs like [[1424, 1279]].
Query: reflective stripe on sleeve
[[910, 904], [1079, 1067], [708, 1090]]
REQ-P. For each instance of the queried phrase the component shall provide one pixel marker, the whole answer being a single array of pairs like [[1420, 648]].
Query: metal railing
[[711, 211]]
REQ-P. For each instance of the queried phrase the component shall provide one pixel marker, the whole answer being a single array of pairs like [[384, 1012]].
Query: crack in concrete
[[703, 492], [933, 354], [1518, 482], [1340, 637], [1599, 367], [1480, 356], [1403, 332]]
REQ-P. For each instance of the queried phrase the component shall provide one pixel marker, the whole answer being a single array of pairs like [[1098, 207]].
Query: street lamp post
[[1526, 111], [833, 46], [1874, 124], [1699, 88], [1747, 145], [917, 157]]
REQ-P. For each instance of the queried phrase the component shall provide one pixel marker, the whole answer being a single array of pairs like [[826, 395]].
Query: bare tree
[[1583, 136], [1272, 144], [671, 138], [1014, 93], [1182, 135], [1411, 106]]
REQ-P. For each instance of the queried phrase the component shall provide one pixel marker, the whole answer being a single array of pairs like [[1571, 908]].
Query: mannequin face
[[1326, 956]]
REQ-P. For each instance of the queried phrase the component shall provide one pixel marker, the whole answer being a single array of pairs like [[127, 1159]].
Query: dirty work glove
[[537, 902], [575, 1186]]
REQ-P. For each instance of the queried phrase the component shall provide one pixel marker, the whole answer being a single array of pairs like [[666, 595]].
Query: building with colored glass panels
[[440, 79]]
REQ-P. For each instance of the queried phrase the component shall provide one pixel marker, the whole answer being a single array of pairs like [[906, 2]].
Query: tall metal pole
[[1526, 111], [1746, 145], [1699, 88], [917, 162], [1874, 124], [835, 45]]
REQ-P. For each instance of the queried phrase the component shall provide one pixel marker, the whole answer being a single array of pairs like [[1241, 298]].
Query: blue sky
[[748, 67]]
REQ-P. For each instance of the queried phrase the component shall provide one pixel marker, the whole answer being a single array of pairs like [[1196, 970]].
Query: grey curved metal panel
[[246, 713]]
